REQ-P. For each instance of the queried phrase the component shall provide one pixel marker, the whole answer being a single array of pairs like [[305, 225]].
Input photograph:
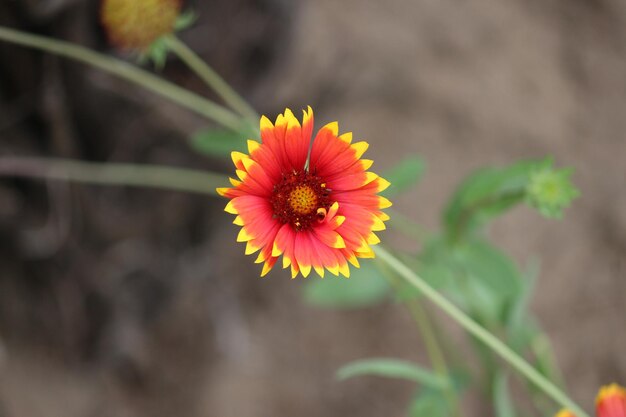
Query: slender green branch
[[435, 353], [481, 333], [211, 78], [153, 176], [425, 329], [128, 72]]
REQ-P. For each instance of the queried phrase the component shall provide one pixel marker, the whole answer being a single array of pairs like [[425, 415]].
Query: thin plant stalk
[[435, 353], [124, 70], [109, 173], [425, 329], [506, 353], [211, 78]]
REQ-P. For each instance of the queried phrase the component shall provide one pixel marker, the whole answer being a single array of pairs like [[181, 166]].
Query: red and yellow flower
[[313, 203], [136, 24], [564, 413], [610, 402]]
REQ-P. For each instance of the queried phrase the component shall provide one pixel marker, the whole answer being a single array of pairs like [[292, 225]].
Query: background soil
[[132, 302]]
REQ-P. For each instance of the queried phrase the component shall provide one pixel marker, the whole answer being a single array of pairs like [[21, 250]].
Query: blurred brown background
[[131, 302]]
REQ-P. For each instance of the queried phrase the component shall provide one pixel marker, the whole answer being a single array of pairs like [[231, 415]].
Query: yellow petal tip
[[383, 202], [360, 148], [230, 208], [243, 235]]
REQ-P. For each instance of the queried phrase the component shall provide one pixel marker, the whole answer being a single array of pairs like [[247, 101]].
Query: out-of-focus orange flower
[[318, 208], [136, 24], [610, 402], [564, 413]]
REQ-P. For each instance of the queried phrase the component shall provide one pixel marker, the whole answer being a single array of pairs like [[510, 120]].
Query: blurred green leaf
[[492, 281], [521, 329], [486, 194], [366, 287], [501, 398], [218, 142], [546, 363], [185, 20], [490, 266], [156, 53], [392, 368], [404, 175], [430, 403], [476, 274]]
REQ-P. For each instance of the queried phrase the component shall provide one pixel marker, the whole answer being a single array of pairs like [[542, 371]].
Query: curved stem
[[110, 173], [481, 333], [211, 78], [128, 72]]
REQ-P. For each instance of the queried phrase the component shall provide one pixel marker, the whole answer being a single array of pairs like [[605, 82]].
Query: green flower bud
[[550, 190]]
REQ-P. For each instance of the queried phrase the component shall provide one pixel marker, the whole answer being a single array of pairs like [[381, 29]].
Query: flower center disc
[[300, 199], [303, 199]]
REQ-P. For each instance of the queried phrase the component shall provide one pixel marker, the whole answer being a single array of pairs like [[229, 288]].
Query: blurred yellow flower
[[610, 402], [136, 24]]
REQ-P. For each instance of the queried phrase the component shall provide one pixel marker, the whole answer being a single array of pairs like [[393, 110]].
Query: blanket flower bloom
[[610, 402], [314, 203], [136, 24]]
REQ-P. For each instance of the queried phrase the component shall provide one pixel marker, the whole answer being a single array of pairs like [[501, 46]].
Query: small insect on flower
[[313, 202], [136, 24]]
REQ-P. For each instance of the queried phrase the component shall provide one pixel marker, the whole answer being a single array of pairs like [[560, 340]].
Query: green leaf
[[155, 53], [392, 368], [404, 175], [486, 194], [521, 329], [490, 266], [492, 281], [545, 360], [185, 20], [478, 276], [501, 399], [366, 287], [218, 142], [430, 403]]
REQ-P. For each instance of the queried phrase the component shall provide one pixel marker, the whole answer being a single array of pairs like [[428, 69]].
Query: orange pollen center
[[300, 199], [303, 199]]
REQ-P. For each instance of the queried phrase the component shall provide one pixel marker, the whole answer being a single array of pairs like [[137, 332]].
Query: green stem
[[480, 333], [128, 72], [154, 176], [435, 353], [211, 78], [425, 329], [432, 346]]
